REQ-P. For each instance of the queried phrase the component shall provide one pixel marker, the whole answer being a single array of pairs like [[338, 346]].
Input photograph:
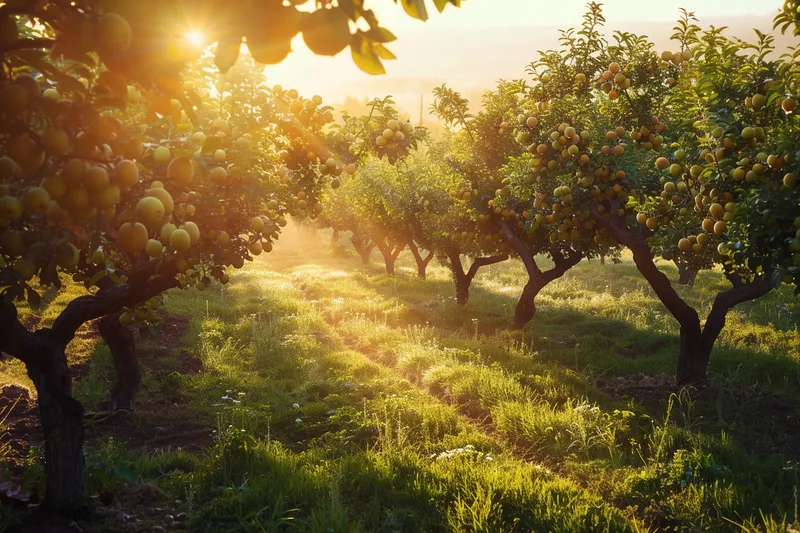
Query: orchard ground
[[314, 394]]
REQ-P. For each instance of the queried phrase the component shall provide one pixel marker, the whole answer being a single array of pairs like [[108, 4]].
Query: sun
[[195, 37]]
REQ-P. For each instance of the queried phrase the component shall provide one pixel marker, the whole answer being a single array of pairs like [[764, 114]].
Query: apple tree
[[379, 140], [132, 202], [476, 149], [724, 194]]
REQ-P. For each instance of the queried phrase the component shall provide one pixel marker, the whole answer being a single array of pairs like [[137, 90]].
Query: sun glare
[[195, 38]]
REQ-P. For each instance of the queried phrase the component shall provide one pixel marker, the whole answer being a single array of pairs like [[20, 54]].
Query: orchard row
[[607, 145]]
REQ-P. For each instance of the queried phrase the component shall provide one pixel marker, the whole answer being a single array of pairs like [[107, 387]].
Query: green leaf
[[441, 4], [415, 9], [189, 109], [365, 57], [381, 35], [97, 277], [124, 473], [383, 52]]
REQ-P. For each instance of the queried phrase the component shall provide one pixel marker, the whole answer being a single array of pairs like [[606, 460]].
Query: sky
[[500, 13], [485, 40]]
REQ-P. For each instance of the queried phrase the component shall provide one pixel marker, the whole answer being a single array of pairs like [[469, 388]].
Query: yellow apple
[[133, 237]]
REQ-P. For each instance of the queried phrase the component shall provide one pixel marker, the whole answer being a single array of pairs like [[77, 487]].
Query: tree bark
[[687, 274], [60, 414], [364, 248], [389, 254], [463, 280], [422, 262], [537, 280], [62, 425], [526, 305], [121, 343], [696, 342], [459, 276], [334, 238], [44, 356]]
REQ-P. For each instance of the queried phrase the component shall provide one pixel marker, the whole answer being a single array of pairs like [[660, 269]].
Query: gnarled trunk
[[62, 424], [43, 353], [697, 341], [334, 238], [538, 280], [526, 305], [389, 254], [363, 247], [422, 262], [463, 280], [121, 343]]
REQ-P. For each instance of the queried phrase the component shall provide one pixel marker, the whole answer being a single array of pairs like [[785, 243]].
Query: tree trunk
[[334, 238], [121, 343], [366, 253], [364, 248], [693, 359], [43, 353], [686, 274], [463, 280], [459, 276], [62, 425], [422, 262], [390, 255], [526, 305], [537, 280], [696, 342]]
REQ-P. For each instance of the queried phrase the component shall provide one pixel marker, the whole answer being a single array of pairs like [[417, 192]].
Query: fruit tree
[[117, 173]]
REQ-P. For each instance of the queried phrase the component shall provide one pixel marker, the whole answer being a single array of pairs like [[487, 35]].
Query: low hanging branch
[[146, 281]]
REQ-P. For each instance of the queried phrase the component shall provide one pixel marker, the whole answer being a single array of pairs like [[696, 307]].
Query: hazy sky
[[486, 40], [485, 13]]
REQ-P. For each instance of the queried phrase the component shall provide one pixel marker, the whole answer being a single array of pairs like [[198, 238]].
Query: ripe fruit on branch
[[180, 240], [113, 34], [133, 237], [327, 31], [149, 211], [161, 155], [181, 170]]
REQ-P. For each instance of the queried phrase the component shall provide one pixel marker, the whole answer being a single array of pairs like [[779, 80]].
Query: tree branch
[[563, 262], [523, 251], [149, 280], [397, 249], [14, 337], [454, 254], [484, 261], [725, 301], [618, 231]]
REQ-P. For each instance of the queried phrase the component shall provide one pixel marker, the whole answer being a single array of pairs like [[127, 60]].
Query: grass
[[341, 399]]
